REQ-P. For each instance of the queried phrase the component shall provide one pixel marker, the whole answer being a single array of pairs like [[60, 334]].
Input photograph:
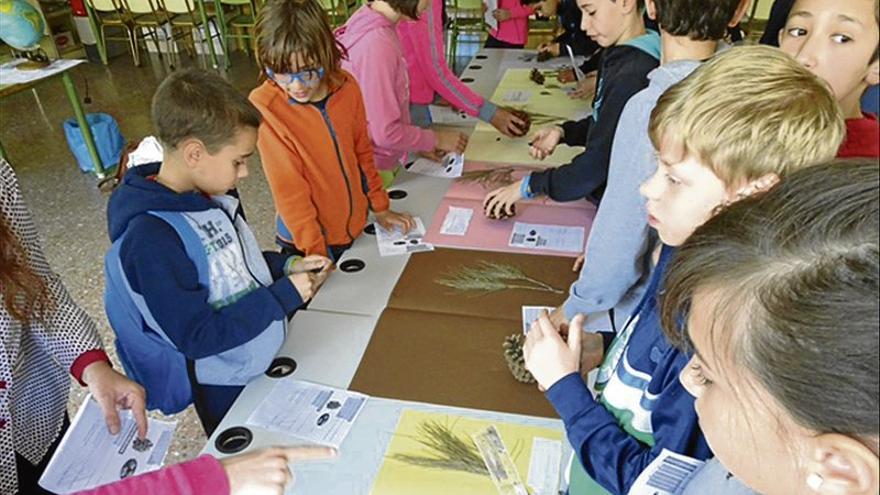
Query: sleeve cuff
[[487, 111], [84, 360], [286, 294], [570, 397], [208, 474]]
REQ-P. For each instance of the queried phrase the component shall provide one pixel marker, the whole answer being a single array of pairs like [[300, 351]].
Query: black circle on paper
[[399, 243], [353, 265], [370, 229], [323, 419], [128, 468], [281, 367], [467, 79], [481, 57], [233, 440], [397, 194], [476, 67]]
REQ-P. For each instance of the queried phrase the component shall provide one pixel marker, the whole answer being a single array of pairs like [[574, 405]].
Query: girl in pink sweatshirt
[[375, 58], [262, 471], [513, 24], [424, 49]]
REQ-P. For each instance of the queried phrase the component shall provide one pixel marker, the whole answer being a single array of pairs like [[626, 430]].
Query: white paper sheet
[[450, 167], [311, 412], [488, 18], [450, 116], [89, 456], [9, 74], [457, 221], [395, 243], [544, 466], [532, 313], [666, 475], [550, 237]]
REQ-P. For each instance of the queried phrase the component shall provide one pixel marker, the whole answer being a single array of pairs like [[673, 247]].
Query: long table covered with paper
[[399, 360]]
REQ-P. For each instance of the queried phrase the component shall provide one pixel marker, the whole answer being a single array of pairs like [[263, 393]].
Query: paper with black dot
[[549, 237], [450, 167], [395, 242]]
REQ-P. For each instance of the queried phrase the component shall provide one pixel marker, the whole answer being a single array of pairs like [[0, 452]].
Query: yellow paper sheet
[[516, 90], [400, 478]]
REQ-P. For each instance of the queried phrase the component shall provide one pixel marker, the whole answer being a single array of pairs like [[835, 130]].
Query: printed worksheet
[[517, 96], [395, 243], [544, 466], [308, 411], [532, 313], [450, 167], [450, 116], [89, 456], [550, 237], [457, 221], [666, 475]]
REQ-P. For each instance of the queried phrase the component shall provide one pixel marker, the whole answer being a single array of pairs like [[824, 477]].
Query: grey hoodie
[[617, 265]]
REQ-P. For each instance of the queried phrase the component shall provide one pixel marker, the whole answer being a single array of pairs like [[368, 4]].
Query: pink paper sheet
[[494, 235], [475, 191]]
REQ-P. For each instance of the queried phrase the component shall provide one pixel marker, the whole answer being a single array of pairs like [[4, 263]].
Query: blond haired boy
[[733, 127]]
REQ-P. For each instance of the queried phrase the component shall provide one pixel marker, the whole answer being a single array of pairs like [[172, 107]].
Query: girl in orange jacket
[[313, 141]]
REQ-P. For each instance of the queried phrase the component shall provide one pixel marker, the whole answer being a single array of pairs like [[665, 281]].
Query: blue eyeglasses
[[308, 77]]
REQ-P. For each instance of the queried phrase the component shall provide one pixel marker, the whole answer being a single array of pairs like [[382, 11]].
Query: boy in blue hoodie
[[197, 308], [732, 128]]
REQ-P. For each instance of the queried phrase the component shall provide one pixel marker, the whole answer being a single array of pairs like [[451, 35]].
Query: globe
[[21, 25]]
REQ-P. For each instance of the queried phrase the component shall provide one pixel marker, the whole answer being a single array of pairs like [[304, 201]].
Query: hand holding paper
[[111, 390], [548, 357]]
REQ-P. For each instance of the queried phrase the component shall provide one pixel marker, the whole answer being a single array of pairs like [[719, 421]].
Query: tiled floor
[[71, 212]]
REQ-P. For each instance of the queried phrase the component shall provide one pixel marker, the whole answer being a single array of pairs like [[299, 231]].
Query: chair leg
[[101, 40], [133, 46]]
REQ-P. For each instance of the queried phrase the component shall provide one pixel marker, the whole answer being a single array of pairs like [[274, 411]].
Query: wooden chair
[[237, 23], [188, 15], [465, 17], [104, 14]]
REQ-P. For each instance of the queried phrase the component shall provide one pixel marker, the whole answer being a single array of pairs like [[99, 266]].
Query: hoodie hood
[[671, 73], [363, 22], [138, 194]]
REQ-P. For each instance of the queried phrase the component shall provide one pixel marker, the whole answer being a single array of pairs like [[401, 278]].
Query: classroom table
[[327, 342], [73, 97]]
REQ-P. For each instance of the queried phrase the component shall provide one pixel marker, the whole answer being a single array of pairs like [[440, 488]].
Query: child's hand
[[545, 141], [566, 75], [586, 88], [266, 471], [308, 274], [501, 15], [547, 356], [507, 123], [390, 220], [551, 48], [578, 263], [434, 156], [453, 141], [500, 203]]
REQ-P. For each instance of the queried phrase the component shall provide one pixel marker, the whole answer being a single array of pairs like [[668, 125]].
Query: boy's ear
[[841, 465], [629, 5], [873, 76], [651, 7], [193, 151], [740, 12], [758, 185]]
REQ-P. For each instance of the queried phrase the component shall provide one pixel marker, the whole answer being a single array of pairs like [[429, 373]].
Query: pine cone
[[513, 354], [536, 76]]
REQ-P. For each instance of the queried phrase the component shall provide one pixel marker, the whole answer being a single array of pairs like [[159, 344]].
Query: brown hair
[[200, 104], [795, 273], [699, 20], [24, 292], [409, 8], [287, 27], [748, 112]]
